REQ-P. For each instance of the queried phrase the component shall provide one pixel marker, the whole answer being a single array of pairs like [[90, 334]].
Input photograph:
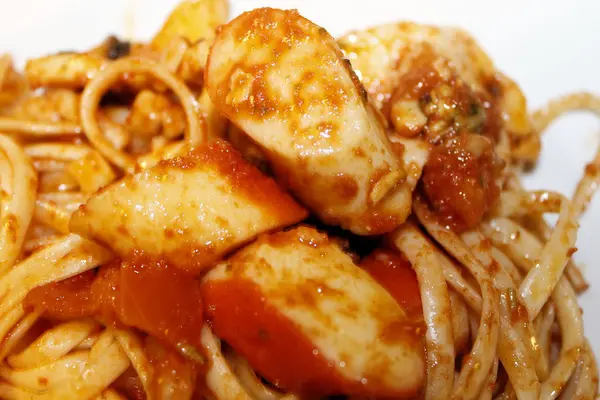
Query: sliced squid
[[383, 55], [64, 70], [283, 80], [311, 322], [59, 105], [187, 211], [192, 20]]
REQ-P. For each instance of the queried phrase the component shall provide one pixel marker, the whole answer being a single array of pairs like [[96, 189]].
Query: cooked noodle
[[436, 301]]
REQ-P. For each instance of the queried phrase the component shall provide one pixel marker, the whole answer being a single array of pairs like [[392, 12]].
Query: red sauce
[[393, 271], [67, 299], [161, 301], [151, 296], [273, 345], [461, 185], [519, 314], [106, 292]]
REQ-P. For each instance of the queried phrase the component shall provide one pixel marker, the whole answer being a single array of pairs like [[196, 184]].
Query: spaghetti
[[262, 212]]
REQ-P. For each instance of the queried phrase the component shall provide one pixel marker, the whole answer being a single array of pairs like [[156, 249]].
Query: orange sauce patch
[[151, 296], [460, 186]]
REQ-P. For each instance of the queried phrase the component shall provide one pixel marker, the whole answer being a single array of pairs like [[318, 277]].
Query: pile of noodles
[[70, 125]]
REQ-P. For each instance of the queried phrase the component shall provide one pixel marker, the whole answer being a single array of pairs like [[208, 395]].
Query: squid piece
[[382, 56], [12, 84], [188, 211], [283, 80], [192, 20], [525, 143], [250, 150], [64, 70], [58, 105], [414, 157], [297, 308]]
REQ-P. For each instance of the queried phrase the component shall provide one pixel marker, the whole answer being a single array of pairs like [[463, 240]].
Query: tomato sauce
[[461, 186], [67, 299], [161, 301], [106, 293], [270, 343], [151, 296]]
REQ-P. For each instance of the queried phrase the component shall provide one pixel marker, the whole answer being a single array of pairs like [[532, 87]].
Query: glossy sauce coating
[[297, 308], [461, 182], [187, 211], [283, 80], [67, 299], [151, 296], [159, 299]]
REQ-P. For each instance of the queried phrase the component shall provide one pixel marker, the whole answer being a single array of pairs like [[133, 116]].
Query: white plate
[[550, 47]]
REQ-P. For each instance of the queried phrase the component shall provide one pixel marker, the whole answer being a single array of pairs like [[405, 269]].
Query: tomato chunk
[[106, 293], [161, 300], [151, 296], [460, 180], [67, 299]]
